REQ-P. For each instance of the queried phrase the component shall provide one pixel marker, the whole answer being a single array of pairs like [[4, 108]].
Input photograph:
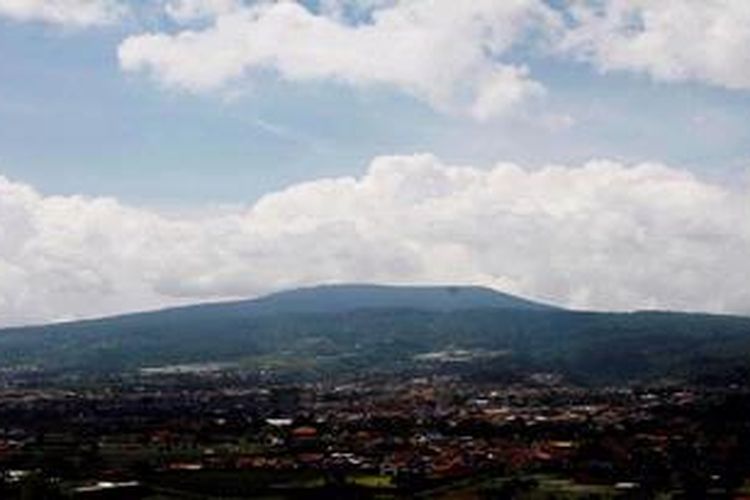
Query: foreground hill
[[351, 328]]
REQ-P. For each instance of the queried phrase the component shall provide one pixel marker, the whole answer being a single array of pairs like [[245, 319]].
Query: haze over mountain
[[357, 328]]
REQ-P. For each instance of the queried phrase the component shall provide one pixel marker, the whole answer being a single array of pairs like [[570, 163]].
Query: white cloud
[[186, 11], [671, 40], [447, 54], [76, 13], [601, 235]]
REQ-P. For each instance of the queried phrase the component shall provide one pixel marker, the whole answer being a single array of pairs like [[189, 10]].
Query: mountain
[[342, 298], [357, 328]]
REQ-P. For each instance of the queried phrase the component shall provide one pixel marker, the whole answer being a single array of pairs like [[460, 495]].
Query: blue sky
[[592, 154], [72, 122]]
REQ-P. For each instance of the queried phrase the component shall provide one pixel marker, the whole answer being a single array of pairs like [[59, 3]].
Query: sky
[[590, 153]]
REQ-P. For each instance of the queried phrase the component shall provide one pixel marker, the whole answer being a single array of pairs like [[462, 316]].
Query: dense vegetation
[[327, 336]]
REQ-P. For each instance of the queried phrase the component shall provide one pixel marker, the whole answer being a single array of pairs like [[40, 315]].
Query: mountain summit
[[352, 297]]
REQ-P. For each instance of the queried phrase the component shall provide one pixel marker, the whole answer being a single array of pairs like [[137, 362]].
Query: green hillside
[[332, 337]]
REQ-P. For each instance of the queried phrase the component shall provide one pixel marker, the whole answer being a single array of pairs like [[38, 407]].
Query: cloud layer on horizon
[[602, 235]]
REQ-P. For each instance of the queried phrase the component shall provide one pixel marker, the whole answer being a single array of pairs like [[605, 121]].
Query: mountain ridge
[[333, 329], [292, 301], [376, 296]]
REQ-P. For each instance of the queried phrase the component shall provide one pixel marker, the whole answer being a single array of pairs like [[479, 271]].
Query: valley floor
[[210, 436]]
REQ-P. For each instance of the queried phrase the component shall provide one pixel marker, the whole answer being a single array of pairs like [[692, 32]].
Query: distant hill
[[356, 328]]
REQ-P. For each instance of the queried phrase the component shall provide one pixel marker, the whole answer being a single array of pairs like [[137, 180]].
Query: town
[[219, 433]]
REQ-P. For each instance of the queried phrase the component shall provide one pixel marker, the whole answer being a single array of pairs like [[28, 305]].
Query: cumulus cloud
[[671, 40], [448, 54], [75, 13], [458, 57], [602, 235], [186, 11]]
